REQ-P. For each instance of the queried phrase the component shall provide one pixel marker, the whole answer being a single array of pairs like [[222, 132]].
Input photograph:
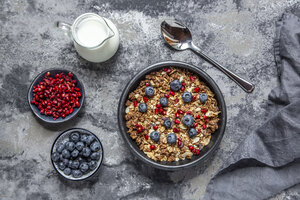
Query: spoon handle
[[245, 85]]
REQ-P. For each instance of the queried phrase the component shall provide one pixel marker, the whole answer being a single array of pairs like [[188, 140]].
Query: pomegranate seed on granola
[[195, 125], [155, 127], [177, 121], [206, 121], [167, 96], [199, 130], [135, 103], [180, 111], [164, 112], [146, 137], [145, 99], [158, 105], [192, 78], [183, 83], [177, 115], [188, 112], [152, 147], [194, 97], [204, 110], [204, 126], [182, 88], [197, 116], [197, 89], [204, 117], [147, 84], [198, 152], [179, 143], [172, 93], [191, 148], [176, 101], [176, 130]]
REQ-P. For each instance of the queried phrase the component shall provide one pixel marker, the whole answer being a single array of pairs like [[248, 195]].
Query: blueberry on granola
[[149, 91], [155, 136], [192, 132], [167, 123], [188, 120], [143, 107], [164, 101], [187, 97], [171, 138], [175, 85], [203, 97]]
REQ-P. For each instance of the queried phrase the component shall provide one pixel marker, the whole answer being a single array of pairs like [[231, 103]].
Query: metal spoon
[[179, 37]]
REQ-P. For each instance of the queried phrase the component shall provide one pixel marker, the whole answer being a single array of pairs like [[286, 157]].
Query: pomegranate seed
[[180, 111], [164, 112], [143, 128], [199, 130], [152, 147], [182, 88], [179, 143], [197, 116], [191, 148], [197, 89], [47, 74], [176, 101], [192, 78], [137, 125], [147, 84], [176, 130], [194, 151], [204, 110], [145, 99], [204, 126], [156, 110], [204, 117], [135, 103], [165, 69], [198, 152], [177, 121], [206, 121], [160, 109], [77, 104], [158, 105], [146, 137], [188, 112], [177, 115], [71, 110], [194, 97], [172, 93], [155, 127], [183, 83], [167, 96], [195, 125], [139, 130]]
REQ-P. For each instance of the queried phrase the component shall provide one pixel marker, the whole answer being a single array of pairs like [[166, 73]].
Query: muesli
[[171, 115]]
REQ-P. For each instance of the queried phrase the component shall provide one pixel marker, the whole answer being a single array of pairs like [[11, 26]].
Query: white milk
[[91, 32]]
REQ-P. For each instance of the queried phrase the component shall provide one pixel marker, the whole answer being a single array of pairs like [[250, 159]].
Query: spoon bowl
[[179, 37]]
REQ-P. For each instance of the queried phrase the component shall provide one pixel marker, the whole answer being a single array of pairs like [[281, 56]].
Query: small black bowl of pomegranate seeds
[[56, 95]]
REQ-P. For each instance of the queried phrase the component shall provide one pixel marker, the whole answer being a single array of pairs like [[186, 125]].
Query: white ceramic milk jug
[[96, 39]]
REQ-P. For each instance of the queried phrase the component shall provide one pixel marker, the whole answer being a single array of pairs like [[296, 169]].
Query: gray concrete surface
[[238, 33]]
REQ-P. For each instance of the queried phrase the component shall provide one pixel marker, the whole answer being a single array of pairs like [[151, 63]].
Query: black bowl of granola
[[172, 115]]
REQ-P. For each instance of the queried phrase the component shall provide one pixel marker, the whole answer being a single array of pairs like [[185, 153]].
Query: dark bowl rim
[[102, 152], [30, 90], [209, 81]]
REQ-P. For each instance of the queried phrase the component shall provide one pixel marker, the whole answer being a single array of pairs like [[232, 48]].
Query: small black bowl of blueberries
[[77, 154]]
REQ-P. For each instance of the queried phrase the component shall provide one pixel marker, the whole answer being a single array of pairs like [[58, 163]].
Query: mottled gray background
[[238, 33]]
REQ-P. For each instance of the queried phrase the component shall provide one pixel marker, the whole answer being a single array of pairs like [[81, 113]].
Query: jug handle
[[67, 28]]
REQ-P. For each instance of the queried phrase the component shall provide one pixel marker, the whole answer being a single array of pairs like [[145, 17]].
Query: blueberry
[[74, 137], [55, 156], [164, 101], [76, 173], [188, 120], [60, 147], [149, 91], [70, 146], [167, 123], [187, 97], [90, 139], [70, 163], [84, 167], [61, 166], [65, 161], [79, 146], [192, 132], [67, 171], [74, 153], [203, 97], [86, 152], [155, 136], [75, 164], [171, 138], [83, 138], [95, 146], [175, 85], [92, 165], [143, 107], [95, 156], [65, 153]]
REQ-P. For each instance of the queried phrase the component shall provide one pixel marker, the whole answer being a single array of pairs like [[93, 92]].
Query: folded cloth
[[268, 160]]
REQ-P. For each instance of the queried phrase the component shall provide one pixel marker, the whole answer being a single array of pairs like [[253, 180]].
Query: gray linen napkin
[[268, 160]]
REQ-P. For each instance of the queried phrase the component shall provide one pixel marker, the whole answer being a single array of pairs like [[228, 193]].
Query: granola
[[147, 114]]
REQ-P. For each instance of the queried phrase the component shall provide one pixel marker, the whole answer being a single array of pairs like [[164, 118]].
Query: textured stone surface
[[238, 33]]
